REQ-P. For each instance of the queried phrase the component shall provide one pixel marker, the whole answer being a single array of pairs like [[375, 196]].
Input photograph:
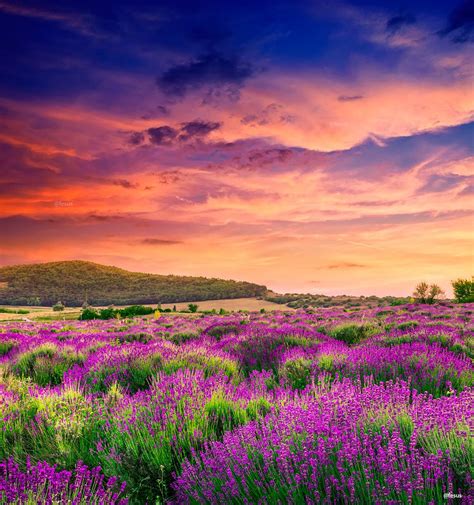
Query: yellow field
[[230, 305]]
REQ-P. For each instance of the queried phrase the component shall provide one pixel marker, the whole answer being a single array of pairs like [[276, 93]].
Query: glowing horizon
[[318, 148]]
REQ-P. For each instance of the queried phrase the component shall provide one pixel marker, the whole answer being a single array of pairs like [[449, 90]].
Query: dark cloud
[[349, 98], [162, 135], [247, 155], [271, 114], [460, 24], [159, 241], [100, 217], [211, 70], [396, 23], [197, 128], [158, 111], [136, 138], [335, 266], [437, 183], [124, 183], [166, 135], [168, 177]]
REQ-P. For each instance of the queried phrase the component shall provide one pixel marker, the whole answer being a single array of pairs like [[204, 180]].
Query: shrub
[[223, 415], [258, 408], [210, 365], [88, 314], [58, 306], [296, 372], [463, 290], [143, 338], [399, 301], [181, 338], [135, 310], [130, 372], [219, 330], [6, 347], [352, 333], [408, 325], [111, 313], [46, 365], [192, 307], [427, 294]]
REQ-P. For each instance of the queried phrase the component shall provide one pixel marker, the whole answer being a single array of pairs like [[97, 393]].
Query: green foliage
[[223, 415], [408, 325], [326, 362], [181, 338], [398, 301], [192, 307], [134, 375], [220, 330], [142, 370], [69, 280], [299, 300], [45, 365], [4, 310], [135, 310], [111, 313], [211, 365], [58, 306], [89, 314], [464, 290], [6, 346], [258, 408], [382, 313], [33, 300], [425, 293], [352, 333], [297, 372], [141, 337]]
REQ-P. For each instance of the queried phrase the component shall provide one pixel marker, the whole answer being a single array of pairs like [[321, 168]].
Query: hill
[[73, 282], [308, 300]]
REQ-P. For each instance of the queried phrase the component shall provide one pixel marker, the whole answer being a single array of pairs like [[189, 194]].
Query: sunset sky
[[311, 146]]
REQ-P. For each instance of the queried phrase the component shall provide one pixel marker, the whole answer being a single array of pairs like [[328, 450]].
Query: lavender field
[[308, 407]]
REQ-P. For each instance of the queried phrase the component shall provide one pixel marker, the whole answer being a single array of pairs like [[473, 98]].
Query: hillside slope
[[73, 282]]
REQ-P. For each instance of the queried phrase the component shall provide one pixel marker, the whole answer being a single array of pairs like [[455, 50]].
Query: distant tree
[[34, 300], [174, 308], [425, 293], [421, 292], [58, 306], [192, 307], [88, 314], [435, 293], [463, 290]]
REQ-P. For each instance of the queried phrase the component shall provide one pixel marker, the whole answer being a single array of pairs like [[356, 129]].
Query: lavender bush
[[328, 406]]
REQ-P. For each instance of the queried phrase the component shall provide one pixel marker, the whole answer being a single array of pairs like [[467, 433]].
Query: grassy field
[[70, 313], [231, 305]]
